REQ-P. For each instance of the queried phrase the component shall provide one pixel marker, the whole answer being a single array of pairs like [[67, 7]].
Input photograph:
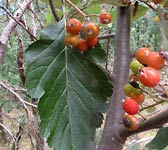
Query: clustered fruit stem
[[152, 105], [144, 118]]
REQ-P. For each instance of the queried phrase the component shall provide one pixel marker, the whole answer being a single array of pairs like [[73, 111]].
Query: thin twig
[[33, 27], [20, 89], [31, 140], [37, 17], [83, 8], [10, 27], [18, 97], [6, 10], [76, 8], [53, 11], [107, 36], [152, 105], [20, 59], [107, 52], [146, 3], [10, 133], [7, 87], [164, 90]]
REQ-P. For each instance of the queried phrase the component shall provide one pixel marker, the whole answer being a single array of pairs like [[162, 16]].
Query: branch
[[107, 36], [7, 31], [20, 59], [37, 17], [18, 137], [82, 9], [33, 27], [18, 22], [146, 3], [10, 133], [76, 8], [107, 53], [9, 88], [155, 121], [57, 19]]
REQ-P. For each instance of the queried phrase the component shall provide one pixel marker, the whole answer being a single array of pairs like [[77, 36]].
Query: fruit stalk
[[76, 8]]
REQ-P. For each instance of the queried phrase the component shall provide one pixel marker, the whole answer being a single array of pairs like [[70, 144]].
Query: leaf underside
[[72, 90], [160, 140]]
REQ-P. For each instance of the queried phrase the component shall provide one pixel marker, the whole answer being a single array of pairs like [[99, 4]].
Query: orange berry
[[73, 26], [105, 18], [142, 54], [139, 98], [71, 40], [91, 30]]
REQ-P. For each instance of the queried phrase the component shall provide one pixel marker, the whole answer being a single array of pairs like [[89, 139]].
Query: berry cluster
[[145, 73], [89, 30]]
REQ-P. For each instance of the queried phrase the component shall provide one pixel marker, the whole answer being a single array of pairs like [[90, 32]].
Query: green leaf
[[160, 140], [96, 54], [72, 91]]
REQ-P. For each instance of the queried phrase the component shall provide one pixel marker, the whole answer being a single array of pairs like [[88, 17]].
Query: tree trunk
[[111, 138]]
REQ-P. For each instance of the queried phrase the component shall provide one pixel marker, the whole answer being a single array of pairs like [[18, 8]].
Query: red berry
[[130, 106], [149, 76], [82, 45], [92, 42]]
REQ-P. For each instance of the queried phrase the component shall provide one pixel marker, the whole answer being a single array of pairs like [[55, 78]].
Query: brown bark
[[53, 11], [155, 121], [111, 138], [20, 60], [6, 33]]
